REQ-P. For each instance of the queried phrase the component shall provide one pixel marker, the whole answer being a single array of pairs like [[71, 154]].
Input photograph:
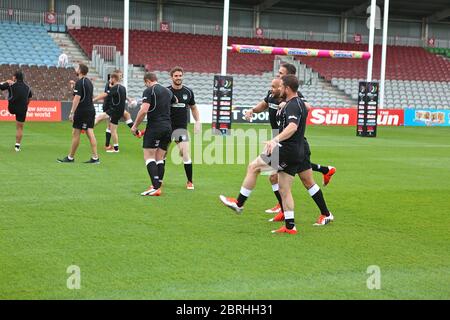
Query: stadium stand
[[162, 50], [416, 77], [48, 83], [27, 44]]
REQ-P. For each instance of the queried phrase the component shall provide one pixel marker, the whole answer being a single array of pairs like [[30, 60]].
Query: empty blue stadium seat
[[31, 46]]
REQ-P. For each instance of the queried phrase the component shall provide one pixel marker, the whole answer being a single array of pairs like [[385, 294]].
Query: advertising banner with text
[[37, 111], [328, 116]]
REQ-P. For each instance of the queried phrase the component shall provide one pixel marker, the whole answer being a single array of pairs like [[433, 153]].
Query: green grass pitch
[[390, 197]]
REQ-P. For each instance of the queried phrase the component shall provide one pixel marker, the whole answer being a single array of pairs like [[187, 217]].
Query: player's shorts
[[305, 164], [180, 135], [106, 108], [115, 115], [21, 115], [282, 160], [157, 138], [84, 119]]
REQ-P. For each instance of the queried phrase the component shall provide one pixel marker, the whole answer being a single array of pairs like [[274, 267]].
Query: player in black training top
[[19, 95], [156, 102], [290, 146], [82, 115], [287, 152], [179, 119], [306, 171], [271, 102], [327, 171], [115, 98], [109, 108]]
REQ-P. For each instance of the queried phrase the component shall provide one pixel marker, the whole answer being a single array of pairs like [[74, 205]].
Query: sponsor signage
[[330, 116], [222, 102], [367, 105], [427, 118], [37, 111], [50, 17], [164, 27]]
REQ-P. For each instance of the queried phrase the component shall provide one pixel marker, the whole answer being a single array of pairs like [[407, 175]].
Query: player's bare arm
[[75, 103], [100, 97], [260, 107], [286, 134], [196, 116], [140, 117]]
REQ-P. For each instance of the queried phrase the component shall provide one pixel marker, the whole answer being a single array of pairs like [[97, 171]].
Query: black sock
[[131, 124], [116, 147], [243, 196], [318, 198], [161, 169], [188, 169], [278, 195], [152, 170], [241, 200], [290, 224], [108, 139], [319, 168]]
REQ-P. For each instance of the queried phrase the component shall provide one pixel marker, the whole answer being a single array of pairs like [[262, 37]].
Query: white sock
[[129, 121], [69, 157], [275, 187], [188, 162], [313, 190], [108, 131], [148, 161], [160, 162], [289, 215], [245, 192]]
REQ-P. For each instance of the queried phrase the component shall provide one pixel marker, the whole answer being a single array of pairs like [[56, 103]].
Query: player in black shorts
[[271, 103], [327, 171], [290, 146], [19, 95], [111, 110], [285, 151], [156, 102], [115, 99], [179, 118], [82, 115], [306, 171]]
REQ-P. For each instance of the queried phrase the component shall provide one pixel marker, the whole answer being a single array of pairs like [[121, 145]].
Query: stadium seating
[[47, 83], [201, 53], [161, 51], [405, 93], [403, 63], [27, 44]]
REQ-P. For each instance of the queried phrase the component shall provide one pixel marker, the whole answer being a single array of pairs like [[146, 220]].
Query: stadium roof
[[434, 10]]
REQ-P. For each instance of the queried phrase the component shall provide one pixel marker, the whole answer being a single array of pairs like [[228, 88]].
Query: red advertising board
[[331, 116], [37, 111], [391, 117], [50, 17], [164, 27], [348, 117]]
